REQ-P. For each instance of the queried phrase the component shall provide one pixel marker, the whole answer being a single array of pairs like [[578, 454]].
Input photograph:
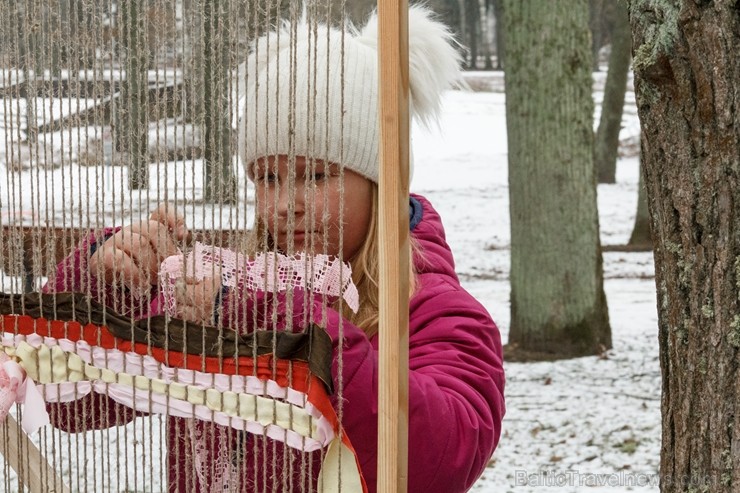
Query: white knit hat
[[293, 92]]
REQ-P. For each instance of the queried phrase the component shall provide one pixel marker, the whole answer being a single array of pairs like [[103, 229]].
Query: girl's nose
[[288, 195]]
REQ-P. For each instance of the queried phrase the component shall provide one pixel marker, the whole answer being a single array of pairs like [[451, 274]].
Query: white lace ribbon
[[268, 272]]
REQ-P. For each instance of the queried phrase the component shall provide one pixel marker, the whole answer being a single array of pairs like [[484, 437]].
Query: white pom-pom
[[434, 60]]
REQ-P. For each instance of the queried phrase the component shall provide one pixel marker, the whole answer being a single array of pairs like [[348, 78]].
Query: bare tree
[[607, 136], [132, 122], [28, 53], [686, 78], [598, 34], [220, 182], [498, 12], [558, 306], [470, 29]]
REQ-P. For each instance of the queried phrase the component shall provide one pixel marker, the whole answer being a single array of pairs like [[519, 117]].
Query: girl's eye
[[326, 173], [267, 178]]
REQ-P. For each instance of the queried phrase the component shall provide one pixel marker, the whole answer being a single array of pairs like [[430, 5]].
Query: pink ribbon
[[15, 387]]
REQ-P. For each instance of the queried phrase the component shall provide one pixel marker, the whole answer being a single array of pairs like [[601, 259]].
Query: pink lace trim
[[270, 272], [222, 472]]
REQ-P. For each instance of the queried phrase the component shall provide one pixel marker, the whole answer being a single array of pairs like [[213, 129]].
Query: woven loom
[[110, 110]]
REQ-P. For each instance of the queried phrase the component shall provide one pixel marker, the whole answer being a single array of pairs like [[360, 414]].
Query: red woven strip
[[294, 374]]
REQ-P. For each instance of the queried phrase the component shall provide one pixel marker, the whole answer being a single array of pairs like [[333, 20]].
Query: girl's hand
[[132, 255], [196, 299]]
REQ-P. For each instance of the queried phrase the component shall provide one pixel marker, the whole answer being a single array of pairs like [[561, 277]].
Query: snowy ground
[[588, 424]]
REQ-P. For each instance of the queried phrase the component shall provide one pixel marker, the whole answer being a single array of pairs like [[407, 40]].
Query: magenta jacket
[[456, 385]]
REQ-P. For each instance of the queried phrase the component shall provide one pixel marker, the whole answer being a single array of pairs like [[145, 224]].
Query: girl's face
[[315, 193]]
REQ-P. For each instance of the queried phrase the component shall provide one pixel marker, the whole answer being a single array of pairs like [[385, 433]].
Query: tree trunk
[[220, 183], [596, 24], [192, 64], [28, 52], [132, 124], [606, 145], [686, 76], [486, 35], [464, 27], [498, 12], [472, 14], [558, 307], [57, 19], [86, 13], [640, 237]]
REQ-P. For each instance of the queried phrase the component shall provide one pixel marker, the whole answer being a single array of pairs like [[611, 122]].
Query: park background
[[573, 423]]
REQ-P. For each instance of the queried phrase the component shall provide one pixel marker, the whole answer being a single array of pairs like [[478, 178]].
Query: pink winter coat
[[456, 388]]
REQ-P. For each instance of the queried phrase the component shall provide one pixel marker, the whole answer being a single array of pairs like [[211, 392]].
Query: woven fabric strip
[[70, 370], [74, 343], [78, 318]]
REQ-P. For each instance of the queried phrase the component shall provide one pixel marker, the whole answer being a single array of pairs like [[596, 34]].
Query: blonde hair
[[365, 269]]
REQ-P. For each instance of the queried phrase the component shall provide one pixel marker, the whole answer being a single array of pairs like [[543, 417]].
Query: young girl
[[309, 141]]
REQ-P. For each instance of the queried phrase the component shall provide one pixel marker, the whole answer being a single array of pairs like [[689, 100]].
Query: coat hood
[[434, 254]]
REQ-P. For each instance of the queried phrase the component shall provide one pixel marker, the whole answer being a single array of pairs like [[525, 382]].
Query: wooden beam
[[33, 471], [394, 259]]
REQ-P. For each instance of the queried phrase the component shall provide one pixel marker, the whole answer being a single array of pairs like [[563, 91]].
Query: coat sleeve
[[93, 411], [456, 391]]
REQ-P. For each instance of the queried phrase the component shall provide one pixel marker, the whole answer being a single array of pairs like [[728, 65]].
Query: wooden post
[[393, 63], [27, 461]]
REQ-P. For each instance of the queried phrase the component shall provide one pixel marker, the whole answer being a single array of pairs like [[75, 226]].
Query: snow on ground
[[583, 425], [59, 183], [93, 196]]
